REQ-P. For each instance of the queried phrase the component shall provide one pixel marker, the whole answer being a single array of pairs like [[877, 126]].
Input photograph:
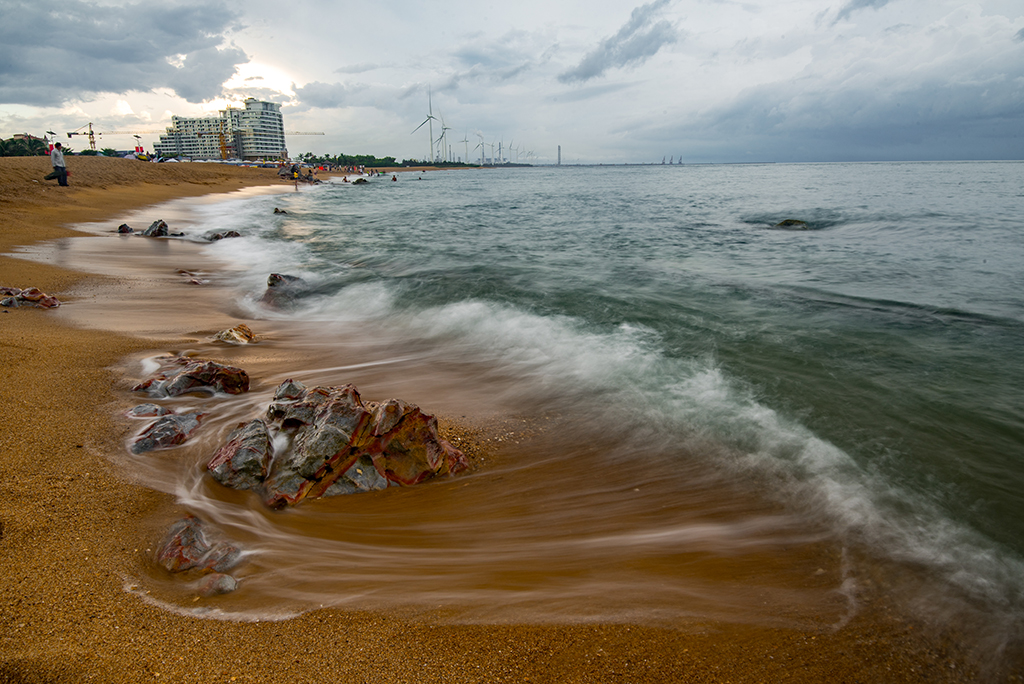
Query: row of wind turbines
[[441, 149]]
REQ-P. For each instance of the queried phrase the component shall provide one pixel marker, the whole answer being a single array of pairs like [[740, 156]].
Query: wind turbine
[[429, 120], [442, 138], [483, 148], [466, 140]]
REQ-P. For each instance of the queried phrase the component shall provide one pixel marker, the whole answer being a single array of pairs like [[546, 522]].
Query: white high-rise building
[[256, 132]]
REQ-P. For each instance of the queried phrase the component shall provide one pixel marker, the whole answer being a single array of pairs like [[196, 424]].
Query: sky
[[610, 82]]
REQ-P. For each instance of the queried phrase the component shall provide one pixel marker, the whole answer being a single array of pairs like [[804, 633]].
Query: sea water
[[689, 412]]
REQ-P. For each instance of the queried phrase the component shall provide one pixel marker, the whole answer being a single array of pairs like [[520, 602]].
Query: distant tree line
[[23, 147], [348, 160], [370, 161]]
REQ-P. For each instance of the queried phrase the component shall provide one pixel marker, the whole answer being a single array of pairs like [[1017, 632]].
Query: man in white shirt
[[57, 159]]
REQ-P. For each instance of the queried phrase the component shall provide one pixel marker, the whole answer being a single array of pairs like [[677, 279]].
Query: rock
[[343, 446], [216, 584], [240, 334], [31, 296], [148, 411], [220, 236], [243, 461], [168, 431], [289, 389], [185, 547], [196, 375], [359, 181], [156, 229], [279, 211], [125, 229], [283, 289], [792, 224]]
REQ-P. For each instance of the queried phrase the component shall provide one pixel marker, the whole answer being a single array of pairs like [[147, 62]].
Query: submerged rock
[[186, 547], [196, 375], [168, 431], [283, 289], [340, 446], [792, 224], [156, 229], [148, 411], [217, 583], [213, 237]]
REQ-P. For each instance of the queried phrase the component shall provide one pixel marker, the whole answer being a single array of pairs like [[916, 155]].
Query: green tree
[[109, 152]]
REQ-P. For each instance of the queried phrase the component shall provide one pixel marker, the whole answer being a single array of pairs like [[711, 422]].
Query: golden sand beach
[[73, 526]]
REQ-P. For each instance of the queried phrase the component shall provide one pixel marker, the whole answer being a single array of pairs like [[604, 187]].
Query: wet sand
[[75, 528]]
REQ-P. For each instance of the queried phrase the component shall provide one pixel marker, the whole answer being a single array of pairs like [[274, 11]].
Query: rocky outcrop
[[195, 375], [282, 290], [125, 229], [186, 547], [156, 229], [240, 334], [167, 431], [340, 445], [14, 298]]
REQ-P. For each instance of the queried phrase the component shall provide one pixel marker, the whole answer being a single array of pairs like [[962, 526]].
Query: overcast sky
[[705, 80]]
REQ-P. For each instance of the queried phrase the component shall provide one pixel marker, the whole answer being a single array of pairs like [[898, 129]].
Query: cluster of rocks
[[338, 445], [159, 228], [14, 297], [182, 375], [330, 442]]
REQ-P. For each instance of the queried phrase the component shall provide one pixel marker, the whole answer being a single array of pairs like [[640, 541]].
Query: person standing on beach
[[57, 160]]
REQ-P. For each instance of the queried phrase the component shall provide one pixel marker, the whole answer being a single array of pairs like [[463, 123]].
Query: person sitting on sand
[[57, 160]]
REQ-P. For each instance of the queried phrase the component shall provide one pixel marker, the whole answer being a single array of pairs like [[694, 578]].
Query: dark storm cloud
[[53, 52], [933, 119], [637, 41]]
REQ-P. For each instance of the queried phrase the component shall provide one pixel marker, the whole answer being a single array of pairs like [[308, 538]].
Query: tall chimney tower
[[559, 155]]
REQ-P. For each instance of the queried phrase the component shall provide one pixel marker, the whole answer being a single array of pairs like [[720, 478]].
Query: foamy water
[[688, 414]]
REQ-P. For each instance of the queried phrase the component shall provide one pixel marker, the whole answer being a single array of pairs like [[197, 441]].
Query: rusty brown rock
[[240, 334], [14, 297], [196, 375], [342, 445]]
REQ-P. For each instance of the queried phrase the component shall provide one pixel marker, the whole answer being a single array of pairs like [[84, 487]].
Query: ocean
[[686, 413]]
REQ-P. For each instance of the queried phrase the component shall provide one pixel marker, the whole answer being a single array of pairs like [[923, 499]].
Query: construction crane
[[92, 134]]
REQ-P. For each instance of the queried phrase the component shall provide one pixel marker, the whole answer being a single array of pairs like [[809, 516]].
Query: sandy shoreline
[[71, 529]]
